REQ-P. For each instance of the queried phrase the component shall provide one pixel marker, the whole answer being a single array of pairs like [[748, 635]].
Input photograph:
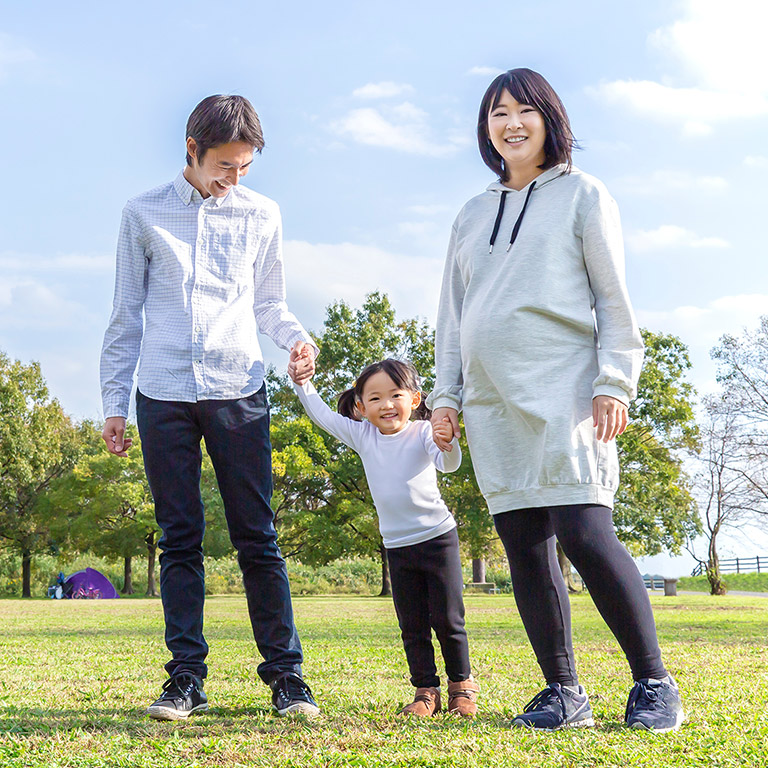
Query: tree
[[104, 506], [323, 504], [654, 508], [743, 375], [727, 496], [38, 444]]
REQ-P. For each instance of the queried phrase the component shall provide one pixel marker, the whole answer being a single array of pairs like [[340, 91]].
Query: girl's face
[[517, 132], [385, 405]]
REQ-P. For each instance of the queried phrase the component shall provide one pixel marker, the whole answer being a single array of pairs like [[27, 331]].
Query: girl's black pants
[[427, 587]]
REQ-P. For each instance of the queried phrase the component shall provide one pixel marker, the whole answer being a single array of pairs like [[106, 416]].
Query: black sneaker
[[557, 706], [182, 696], [654, 705], [291, 695]]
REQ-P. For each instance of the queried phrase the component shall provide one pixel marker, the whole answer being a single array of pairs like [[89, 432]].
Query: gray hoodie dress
[[526, 337]]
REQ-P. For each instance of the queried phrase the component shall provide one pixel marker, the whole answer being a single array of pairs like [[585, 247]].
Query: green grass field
[[75, 677]]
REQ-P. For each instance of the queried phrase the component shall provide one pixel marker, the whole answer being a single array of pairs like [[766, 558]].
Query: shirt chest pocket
[[231, 253]]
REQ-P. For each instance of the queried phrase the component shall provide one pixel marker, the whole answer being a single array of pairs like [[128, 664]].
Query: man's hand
[[445, 426], [443, 432], [609, 417], [114, 436], [301, 362]]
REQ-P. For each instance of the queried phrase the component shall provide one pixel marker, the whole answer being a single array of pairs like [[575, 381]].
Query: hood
[[543, 179]]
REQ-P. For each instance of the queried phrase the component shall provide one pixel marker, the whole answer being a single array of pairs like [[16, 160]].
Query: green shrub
[[740, 582]]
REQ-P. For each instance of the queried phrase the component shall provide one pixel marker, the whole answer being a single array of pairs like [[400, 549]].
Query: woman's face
[[517, 132]]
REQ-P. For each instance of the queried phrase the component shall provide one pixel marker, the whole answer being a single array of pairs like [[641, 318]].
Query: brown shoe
[[462, 697], [425, 703]]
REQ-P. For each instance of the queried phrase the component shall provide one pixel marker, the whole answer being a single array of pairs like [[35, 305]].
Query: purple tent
[[90, 584]]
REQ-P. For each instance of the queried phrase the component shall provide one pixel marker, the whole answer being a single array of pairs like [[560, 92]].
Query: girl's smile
[[387, 406]]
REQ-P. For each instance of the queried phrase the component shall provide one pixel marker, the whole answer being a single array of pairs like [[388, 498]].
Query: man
[[199, 271]]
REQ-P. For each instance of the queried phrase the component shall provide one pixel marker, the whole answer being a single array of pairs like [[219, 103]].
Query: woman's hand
[[609, 417], [440, 432]]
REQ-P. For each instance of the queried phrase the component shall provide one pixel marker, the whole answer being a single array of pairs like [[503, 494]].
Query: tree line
[[60, 491]]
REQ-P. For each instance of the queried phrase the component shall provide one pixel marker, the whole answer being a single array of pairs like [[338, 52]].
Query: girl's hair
[[527, 87], [402, 373]]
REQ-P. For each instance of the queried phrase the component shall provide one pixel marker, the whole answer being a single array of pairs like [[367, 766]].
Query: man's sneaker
[[291, 695], [182, 696], [426, 702], [557, 706], [654, 705]]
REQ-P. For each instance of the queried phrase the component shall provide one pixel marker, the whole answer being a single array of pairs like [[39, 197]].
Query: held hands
[[609, 417], [445, 426], [114, 436], [301, 362]]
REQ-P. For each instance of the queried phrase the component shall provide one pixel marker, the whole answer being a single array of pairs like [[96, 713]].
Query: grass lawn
[[75, 677]]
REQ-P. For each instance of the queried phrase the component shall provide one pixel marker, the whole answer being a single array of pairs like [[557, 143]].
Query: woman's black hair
[[527, 87], [402, 373]]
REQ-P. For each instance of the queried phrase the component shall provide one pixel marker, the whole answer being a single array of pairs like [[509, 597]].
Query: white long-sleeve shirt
[[196, 280], [400, 470]]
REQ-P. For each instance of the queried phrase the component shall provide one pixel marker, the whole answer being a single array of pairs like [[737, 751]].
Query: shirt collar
[[187, 192]]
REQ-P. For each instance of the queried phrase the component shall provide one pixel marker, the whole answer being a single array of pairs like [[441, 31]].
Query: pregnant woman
[[538, 345]]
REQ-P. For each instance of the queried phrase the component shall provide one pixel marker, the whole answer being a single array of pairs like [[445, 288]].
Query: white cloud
[[403, 127], [719, 65], [319, 273], [12, 53], [429, 210], [756, 161], [671, 236], [29, 304], [25, 263], [485, 71], [382, 90], [700, 328], [663, 181]]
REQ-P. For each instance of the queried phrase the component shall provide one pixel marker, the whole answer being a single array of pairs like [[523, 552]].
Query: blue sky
[[369, 114]]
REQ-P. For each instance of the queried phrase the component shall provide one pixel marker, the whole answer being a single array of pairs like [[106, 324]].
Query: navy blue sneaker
[[182, 696], [654, 705], [291, 695], [557, 706]]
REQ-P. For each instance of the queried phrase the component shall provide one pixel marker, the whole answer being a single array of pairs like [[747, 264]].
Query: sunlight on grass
[[75, 678]]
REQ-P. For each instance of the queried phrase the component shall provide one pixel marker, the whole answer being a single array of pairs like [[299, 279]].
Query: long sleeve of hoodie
[[620, 346], [449, 382]]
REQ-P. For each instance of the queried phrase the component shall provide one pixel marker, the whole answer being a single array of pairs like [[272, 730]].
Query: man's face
[[222, 167]]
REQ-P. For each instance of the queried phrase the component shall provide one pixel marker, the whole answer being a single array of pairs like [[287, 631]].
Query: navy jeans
[[236, 434]]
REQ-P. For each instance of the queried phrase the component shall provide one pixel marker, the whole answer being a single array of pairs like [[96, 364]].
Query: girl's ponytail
[[347, 405], [422, 413]]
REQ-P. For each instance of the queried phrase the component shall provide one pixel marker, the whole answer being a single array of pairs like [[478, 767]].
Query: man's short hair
[[218, 120]]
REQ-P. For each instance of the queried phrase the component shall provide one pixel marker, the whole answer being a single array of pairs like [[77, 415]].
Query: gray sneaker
[[557, 706], [654, 705]]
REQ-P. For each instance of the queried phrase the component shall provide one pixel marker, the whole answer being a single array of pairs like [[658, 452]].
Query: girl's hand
[[450, 418], [301, 362], [609, 417], [443, 431]]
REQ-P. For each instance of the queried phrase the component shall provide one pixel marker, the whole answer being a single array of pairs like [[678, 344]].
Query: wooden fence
[[756, 564]]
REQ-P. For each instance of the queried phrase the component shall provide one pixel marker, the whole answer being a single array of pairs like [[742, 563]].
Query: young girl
[[538, 344], [399, 457]]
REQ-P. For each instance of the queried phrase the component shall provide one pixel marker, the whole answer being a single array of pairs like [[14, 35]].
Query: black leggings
[[589, 540], [427, 589]]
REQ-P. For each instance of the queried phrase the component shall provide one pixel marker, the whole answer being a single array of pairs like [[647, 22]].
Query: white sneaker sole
[[676, 727], [299, 708], [168, 713]]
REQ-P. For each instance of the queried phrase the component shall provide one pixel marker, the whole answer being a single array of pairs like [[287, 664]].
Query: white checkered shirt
[[196, 279]]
